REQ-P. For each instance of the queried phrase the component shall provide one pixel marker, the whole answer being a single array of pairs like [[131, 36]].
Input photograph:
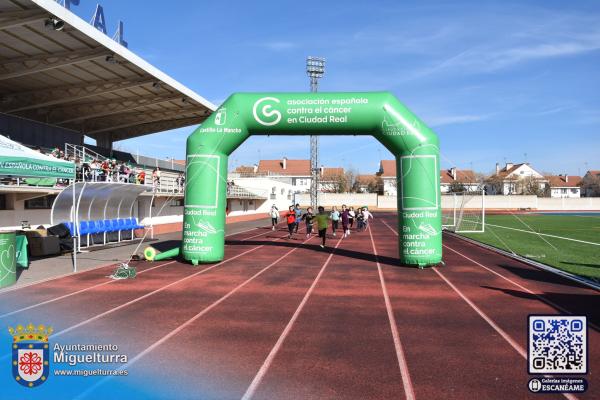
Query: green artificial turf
[[578, 258]]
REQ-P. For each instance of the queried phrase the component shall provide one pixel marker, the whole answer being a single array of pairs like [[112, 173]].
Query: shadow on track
[[538, 275], [340, 251], [582, 304]]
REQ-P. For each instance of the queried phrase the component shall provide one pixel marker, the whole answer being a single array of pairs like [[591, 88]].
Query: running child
[[308, 218], [274, 214], [360, 220], [366, 215], [322, 221], [335, 219], [351, 216], [345, 217], [291, 221], [298, 212]]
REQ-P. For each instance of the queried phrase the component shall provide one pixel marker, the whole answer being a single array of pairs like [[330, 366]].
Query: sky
[[498, 81]]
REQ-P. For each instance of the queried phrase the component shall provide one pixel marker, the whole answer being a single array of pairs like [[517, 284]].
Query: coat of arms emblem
[[30, 354]]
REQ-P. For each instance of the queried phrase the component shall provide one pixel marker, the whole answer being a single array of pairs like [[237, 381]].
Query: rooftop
[[80, 79], [564, 181]]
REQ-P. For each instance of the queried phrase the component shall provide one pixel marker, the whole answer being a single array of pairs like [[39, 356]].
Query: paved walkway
[[50, 267]]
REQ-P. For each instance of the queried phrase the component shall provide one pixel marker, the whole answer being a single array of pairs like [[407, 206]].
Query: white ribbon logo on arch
[[266, 111]]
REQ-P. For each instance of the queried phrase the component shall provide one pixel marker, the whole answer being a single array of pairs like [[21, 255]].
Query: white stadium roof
[[80, 79]]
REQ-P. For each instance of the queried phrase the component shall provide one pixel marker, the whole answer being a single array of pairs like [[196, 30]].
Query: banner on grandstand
[[20, 161]]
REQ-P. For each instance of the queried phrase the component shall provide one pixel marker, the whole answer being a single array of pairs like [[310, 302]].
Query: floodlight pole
[[315, 68]]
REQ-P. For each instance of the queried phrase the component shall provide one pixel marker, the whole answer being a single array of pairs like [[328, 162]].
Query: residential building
[[292, 172], [450, 179], [590, 184], [566, 186], [459, 180], [387, 172], [366, 183], [516, 179]]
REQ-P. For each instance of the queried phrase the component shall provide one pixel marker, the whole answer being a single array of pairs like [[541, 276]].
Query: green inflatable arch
[[378, 114]]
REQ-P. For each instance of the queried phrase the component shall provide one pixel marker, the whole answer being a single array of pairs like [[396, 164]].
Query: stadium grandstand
[[62, 80]]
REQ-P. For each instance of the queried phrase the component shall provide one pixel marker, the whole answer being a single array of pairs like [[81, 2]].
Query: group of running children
[[346, 216]]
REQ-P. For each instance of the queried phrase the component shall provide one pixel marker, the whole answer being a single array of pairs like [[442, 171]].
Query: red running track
[[283, 318]]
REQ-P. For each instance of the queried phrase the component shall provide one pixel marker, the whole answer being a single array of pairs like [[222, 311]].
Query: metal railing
[[82, 153], [239, 192]]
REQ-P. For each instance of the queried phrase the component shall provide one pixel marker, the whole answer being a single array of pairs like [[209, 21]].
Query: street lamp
[[315, 69]]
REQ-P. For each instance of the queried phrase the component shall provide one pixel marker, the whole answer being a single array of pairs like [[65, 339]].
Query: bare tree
[[590, 185], [375, 185], [335, 183], [457, 187], [531, 185], [494, 184]]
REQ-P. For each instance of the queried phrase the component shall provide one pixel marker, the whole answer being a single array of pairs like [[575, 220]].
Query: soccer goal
[[464, 212]]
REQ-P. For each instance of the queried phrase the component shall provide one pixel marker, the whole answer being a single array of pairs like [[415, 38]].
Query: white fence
[[337, 199], [501, 202]]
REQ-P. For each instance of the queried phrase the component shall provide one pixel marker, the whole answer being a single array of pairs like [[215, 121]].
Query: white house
[[255, 195], [387, 172], [454, 178], [366, 182], [448, 178], [292, 172], [512, 178], [566, 186]]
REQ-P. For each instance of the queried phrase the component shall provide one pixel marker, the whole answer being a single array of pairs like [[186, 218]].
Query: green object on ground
[[8, 264], [21, 251], [124, 271], [568, 255], [149, 253], [377, 114], [167, 254]]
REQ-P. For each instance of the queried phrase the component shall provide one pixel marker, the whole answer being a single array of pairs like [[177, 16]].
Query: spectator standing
[[156, 177], [141, 177]]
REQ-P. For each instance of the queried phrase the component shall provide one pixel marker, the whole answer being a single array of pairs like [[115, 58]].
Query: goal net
[[464, 211]]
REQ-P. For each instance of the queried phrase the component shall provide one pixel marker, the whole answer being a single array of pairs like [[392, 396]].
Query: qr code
[[557, 344]]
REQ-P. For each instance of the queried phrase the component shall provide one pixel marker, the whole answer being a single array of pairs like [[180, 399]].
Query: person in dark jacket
[[345, 217], [308, 219]]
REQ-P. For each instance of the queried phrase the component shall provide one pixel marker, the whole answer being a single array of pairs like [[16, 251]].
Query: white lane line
[[74, 293], [269, 360], [99, 284], [487, 319], [137, 299], [539, 296], [13, 288], [409, 391], [483, 315], [544, 234], [190, 321]]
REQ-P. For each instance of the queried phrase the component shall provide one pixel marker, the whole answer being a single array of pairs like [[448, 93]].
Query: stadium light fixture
[[111, 59], [54, 24], [315, 69]]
